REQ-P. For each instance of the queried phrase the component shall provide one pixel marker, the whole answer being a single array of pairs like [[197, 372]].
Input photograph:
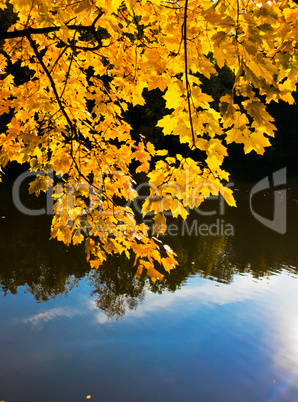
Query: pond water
[[222, 327]]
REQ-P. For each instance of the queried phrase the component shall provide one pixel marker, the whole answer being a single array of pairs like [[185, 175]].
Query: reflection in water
[[117, 288], [232, 338], [49, 269], [39, 319]]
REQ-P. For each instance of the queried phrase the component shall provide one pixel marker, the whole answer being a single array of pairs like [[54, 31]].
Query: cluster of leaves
[[87, 61]]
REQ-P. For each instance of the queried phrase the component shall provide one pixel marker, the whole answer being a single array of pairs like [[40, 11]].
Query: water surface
[[223, 327]]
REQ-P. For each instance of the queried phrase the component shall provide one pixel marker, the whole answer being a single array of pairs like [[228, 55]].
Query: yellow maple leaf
[[168, 263], [160, 225], [173, 95], [38, 185], [150, 148], [159, 81], [69, 113], [162, 152], [151, 271]]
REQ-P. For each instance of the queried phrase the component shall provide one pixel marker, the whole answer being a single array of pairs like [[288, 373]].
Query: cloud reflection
[[266, 302], [198, 292], [39, 319]]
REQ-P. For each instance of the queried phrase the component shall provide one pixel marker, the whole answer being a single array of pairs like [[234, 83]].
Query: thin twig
[[188, 89], [39, 58]]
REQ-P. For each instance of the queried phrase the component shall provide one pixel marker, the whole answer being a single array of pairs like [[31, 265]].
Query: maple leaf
[[160, 224], [39, 184], [89, 64]]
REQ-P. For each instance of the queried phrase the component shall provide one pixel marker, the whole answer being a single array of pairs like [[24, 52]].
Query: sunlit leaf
[[87, 77]]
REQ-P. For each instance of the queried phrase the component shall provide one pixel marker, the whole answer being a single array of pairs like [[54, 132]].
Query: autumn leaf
[[38, 185], [161, 152], [160, 224], [93, 68], [150, 148]]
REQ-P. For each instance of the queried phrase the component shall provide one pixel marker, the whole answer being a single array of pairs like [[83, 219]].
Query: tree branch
[[43, 31], [39, 58], [188, 90]]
